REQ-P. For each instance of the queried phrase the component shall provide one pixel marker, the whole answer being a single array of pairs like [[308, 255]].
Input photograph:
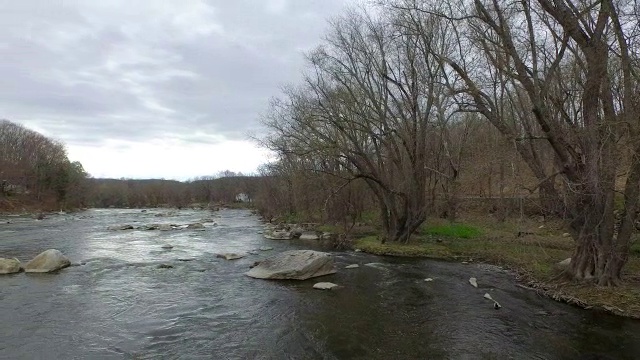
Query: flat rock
[[9, 266], [167, 246], [474, 282], [266, 248], [294, 264], [352, 266], [165, 266], [324, 286], [47, 261], [230, 256], [195, 226]]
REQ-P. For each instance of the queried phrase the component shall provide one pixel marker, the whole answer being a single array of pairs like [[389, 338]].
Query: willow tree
[[568, 74], [368, 104]]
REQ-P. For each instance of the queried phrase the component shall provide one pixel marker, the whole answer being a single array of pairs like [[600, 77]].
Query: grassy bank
[[529, 248]]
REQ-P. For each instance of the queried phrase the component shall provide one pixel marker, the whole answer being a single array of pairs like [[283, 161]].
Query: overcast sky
[[153, 88]]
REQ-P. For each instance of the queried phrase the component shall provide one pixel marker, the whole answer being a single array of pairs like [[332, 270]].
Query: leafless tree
[[557, 76]]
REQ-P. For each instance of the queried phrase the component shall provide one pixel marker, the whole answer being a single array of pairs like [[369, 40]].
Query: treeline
[[401, 103], [34, 168], [121, 193]]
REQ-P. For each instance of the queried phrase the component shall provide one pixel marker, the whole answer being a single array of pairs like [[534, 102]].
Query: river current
[[118, 302]]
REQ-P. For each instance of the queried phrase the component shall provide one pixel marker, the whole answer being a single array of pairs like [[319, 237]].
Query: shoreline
[[623, 300]]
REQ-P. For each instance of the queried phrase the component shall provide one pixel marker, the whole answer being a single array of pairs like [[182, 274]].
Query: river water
[[118, 304]]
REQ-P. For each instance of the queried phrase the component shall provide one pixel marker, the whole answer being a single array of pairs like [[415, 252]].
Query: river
[[116, 303]]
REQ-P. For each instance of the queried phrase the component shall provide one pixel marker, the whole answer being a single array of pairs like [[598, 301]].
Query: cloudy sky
[[156, 88]]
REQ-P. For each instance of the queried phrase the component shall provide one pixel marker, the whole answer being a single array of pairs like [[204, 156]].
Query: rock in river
[[9, 266], [231, 256], [120, 227], [324, 286], [278, 235], [294, 264], [47, 261]]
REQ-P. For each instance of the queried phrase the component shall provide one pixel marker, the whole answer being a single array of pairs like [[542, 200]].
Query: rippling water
[[117, 303]]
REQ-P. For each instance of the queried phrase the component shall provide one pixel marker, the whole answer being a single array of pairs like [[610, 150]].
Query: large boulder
[[294, 264], [9, 266], [47, 261]]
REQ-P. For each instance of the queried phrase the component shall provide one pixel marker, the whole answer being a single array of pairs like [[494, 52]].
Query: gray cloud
[[90, 71]]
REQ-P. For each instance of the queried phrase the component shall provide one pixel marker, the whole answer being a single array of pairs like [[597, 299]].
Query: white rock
[[496, 305], [474, 282], [566, 235], [266, 248], [324, 286], [294, 264], [358, 250], [352, 266], [428, 279], [47, 261], [565, 263], [309, 236], [278, 235], [9, 266]]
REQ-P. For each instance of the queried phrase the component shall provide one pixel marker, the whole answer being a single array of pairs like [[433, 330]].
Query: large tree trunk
[[596, 260], [400, 218]]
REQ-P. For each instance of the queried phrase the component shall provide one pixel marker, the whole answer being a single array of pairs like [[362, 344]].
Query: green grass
[[455, 230]]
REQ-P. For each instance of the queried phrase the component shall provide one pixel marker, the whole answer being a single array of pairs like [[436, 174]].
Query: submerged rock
[[9, 266], [195, 226], [165, 266], [324, 286], [352, 266], [120, 227], [47, 261], [265, 248], [230, 256], [294, 264], [167, 246]]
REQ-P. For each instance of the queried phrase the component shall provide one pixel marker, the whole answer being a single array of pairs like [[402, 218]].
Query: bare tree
[[369, 105], [560, 76]]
